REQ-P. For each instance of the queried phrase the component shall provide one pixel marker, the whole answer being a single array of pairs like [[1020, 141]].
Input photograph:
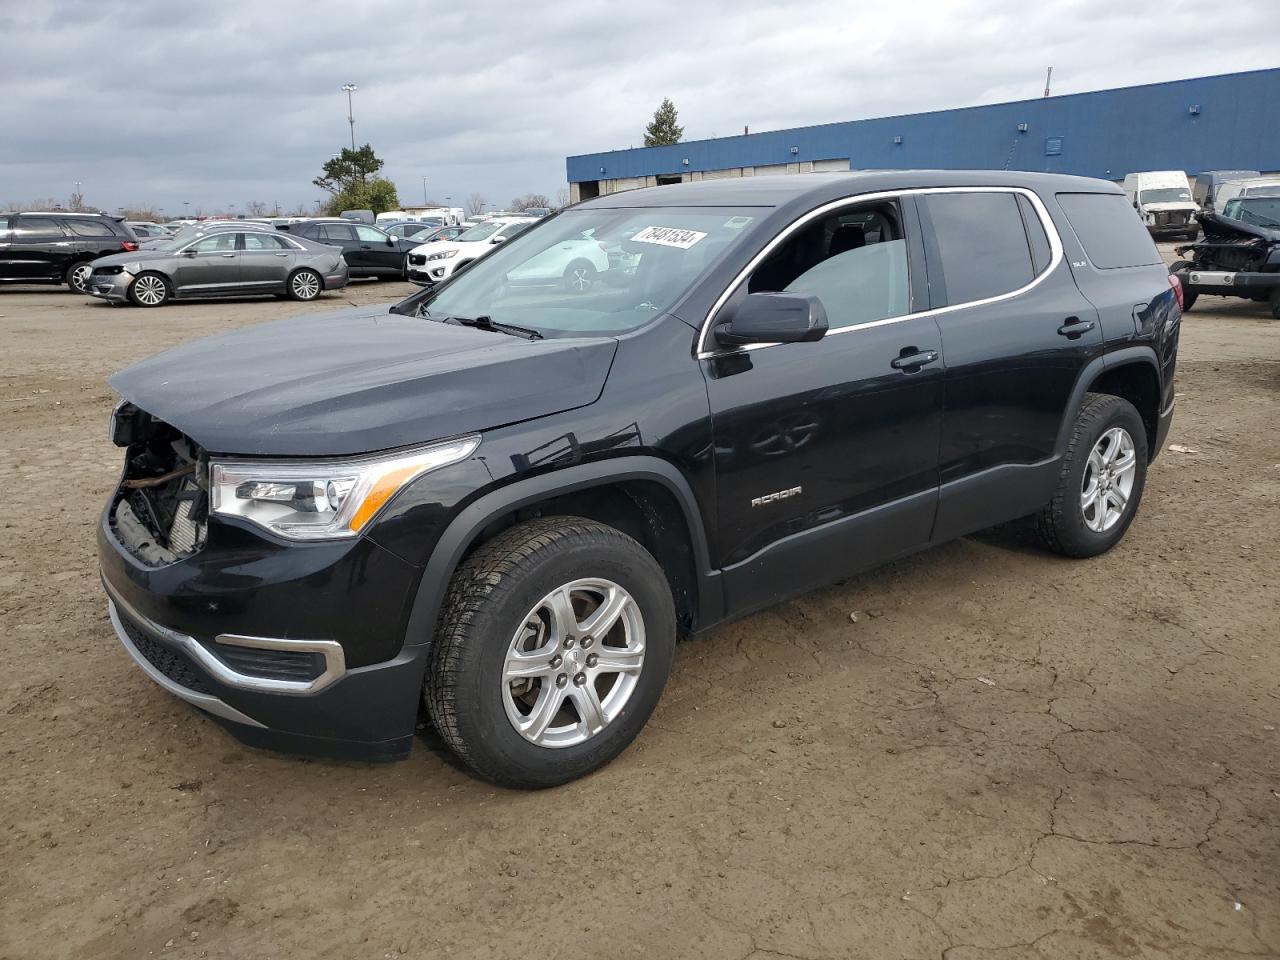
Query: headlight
[[443, 255], [323, 499]]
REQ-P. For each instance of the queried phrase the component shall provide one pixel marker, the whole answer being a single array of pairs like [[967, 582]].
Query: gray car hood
[[141, 255], [356, 381]]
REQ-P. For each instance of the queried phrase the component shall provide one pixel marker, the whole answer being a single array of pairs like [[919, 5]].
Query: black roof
[[773, 191]]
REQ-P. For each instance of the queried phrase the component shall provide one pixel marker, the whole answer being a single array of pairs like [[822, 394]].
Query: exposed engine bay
[[161, 508]]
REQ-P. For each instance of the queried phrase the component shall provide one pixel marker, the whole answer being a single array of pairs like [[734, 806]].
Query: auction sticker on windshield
[[669, 237]]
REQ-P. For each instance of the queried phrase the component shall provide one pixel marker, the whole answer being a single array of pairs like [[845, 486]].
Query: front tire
[[551, 652], [150, 290], [1101, 482], [305, 285]]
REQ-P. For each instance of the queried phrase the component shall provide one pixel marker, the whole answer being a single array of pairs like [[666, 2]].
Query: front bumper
[[1226, 283], [220, 630], [113, 287]]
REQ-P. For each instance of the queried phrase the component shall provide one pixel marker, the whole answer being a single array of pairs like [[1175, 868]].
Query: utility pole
[[349, 89], [1047, 77], [424, 191]]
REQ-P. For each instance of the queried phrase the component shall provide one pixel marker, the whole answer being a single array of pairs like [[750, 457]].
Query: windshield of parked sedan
[[1260, 211], [594, 271], [1167, 195]]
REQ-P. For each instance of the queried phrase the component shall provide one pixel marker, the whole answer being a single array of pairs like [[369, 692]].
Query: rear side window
[[264, 241], [978, 243], [1109, 230], [89, 228]]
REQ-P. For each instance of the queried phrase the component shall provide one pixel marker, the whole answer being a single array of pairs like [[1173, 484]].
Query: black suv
[[57, 247], [507, 500], [369, 252]]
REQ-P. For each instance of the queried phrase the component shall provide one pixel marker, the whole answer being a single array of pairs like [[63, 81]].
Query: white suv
[[433, 262]]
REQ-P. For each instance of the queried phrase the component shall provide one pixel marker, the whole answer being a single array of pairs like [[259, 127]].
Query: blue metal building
[[1230, 121]]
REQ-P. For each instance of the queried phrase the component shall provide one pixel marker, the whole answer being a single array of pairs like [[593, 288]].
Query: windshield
[[1260, 211], [1167, 195], [481, 231], [1263, 190], [593, 271]]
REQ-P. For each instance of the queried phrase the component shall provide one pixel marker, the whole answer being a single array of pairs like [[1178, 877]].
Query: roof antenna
[[1047, 77]]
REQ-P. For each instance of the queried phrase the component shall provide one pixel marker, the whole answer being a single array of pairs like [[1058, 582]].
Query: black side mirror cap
[[773, 318]]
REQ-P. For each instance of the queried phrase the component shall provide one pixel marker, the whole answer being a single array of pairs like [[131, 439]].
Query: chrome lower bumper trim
[[335, 664], [205, 701]]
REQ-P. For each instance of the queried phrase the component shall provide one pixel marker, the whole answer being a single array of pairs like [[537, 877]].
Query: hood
[[357, 381], [1170, 205], [141, 255], [436, 246], [1219, 227]]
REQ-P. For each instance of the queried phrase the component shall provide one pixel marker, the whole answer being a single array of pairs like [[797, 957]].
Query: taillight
[[129, 246], [1177, 289]]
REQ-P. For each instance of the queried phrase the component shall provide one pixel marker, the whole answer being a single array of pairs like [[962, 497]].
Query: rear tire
[[1188, 295], [77, 276], [305, 285], [1106, 456], [150, 290], [503, 614]]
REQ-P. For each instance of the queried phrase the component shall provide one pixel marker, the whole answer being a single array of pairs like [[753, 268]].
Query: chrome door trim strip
[[1055, 259]]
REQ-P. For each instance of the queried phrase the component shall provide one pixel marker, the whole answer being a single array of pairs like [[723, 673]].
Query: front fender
[[464, 528]]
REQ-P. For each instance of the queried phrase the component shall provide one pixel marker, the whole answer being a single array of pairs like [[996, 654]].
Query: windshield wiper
[[488, 323]]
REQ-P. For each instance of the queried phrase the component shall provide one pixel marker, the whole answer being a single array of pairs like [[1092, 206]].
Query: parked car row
[[1168, 205]]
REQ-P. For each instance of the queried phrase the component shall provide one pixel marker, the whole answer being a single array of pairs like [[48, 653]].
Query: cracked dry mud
[[1008, 755]]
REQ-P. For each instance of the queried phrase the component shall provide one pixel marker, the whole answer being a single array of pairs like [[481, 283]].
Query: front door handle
[[281, 254], [228, 254], [910, 359], [1073, 328]]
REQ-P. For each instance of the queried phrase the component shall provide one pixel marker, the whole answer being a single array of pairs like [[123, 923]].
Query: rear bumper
[[1162, 429], [338, 279]]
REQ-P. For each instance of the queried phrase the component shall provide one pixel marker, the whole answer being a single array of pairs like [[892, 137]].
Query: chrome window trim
[[334, 659], [1055, 258]]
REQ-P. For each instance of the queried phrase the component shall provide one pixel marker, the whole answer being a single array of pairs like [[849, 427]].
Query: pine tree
[[663, 129]]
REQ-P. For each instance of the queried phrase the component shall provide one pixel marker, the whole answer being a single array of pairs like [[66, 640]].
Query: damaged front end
[[1234, 259], [160, 510]]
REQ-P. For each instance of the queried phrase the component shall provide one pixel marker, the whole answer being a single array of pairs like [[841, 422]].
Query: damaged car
[[1239, 255]]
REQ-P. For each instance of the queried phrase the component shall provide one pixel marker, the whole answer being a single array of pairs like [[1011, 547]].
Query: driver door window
[[370, 235], [854, 261], [218, 243]]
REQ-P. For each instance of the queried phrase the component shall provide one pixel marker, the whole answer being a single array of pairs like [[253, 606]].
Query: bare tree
[[255, 208], [76, 202], [475, 204], [530, 200], [562, 198]]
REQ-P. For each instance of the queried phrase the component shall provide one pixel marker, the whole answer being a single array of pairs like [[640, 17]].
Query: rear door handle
[[228, 254], [1074, 328], [910, 359], [281, 254]]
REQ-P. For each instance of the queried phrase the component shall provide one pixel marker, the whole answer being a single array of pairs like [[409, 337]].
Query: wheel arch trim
[[463, 530], [1089, 375]]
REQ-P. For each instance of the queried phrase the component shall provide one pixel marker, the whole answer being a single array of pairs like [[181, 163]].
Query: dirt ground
[[1007, 755]]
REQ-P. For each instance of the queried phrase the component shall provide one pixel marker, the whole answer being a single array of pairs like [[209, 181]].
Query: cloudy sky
[[156, 102]]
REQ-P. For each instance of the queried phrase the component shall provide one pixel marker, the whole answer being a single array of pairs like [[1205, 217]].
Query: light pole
[[186, 209], [79, 203], [424, 191], [447, 205], [349, 89]]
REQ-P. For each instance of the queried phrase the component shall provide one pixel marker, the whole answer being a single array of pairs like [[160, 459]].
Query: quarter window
[[977, 245], [90, 228], [854, 261], [1111, 233]]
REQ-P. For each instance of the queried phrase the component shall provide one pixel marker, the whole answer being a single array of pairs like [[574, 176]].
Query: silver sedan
[[231, 262]]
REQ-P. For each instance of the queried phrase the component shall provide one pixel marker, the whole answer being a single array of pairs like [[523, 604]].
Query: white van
[[1253, 187], [1163, 201]]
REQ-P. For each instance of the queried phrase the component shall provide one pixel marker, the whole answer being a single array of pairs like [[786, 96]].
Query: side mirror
[[391, 241], [773, 318], [188, 252], [498, 240]]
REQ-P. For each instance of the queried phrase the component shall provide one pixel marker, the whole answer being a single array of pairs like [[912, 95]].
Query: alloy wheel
[[574, 663], [306, 286], [150, 290], [1108, 480], [580, 278], [80, 278]]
